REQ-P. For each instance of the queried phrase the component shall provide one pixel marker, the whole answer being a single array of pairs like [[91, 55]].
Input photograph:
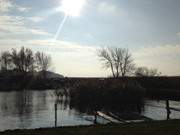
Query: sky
[[150, 29]]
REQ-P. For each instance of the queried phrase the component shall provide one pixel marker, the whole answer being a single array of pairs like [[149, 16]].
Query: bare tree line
[[121, 63], [119, 60], [144, 71], [24, 60]]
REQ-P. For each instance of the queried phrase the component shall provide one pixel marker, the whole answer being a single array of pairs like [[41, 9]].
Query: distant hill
[[51, 75], [15, 73]]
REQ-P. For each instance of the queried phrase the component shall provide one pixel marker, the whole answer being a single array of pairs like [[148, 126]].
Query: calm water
[[35, 109], [156, 110]]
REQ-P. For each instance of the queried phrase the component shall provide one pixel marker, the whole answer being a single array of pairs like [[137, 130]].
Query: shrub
[[107, 95]]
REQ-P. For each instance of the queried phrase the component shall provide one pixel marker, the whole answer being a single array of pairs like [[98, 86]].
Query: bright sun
[[72, 7]]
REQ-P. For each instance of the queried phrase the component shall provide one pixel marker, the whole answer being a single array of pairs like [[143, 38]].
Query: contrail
[[60, 27], [58, 31]]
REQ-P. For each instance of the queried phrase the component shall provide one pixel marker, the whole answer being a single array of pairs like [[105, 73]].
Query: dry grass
[[146, 128]]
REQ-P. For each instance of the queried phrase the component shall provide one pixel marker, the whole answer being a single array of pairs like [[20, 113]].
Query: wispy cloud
[[9, 5], [109, 8], [17, 25], [5, 5], [36, 19], [48, 45], [14, 25], [61, 46], [22, 9]]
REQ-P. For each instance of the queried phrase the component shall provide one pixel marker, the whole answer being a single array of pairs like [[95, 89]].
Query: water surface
[[35, 109]]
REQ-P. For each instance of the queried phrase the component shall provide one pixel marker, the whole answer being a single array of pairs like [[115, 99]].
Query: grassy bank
[[146, 128]]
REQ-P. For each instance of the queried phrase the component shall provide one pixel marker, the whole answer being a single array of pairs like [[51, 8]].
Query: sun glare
[[72, 7]]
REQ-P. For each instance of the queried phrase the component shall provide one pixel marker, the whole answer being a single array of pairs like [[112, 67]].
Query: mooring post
[[95, 117], [55, 108], [168, 109]]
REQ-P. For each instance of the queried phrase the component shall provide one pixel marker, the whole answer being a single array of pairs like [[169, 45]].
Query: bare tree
[[144, 71], [43, 62], [23, 60], [5, 60], [119, 60], [29, 60]]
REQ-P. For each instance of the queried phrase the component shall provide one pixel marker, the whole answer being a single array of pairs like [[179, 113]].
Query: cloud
[[48, 45], [5, 5], [61, 46], [109, 8], [36, 19], [22, 9], [14, 24], [38, 32], [18, 25], [8, 5], [106, 7]]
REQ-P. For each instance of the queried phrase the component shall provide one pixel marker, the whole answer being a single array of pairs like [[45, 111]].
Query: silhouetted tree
[[119, 60], [5, 60], [43, 62], [144, 71], [23, 60]]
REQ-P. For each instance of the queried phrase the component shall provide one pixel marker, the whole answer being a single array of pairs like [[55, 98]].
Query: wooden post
[[95, 117], [168, 109], [55, 107]]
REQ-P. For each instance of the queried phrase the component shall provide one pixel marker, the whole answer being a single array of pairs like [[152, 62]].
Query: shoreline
[[166, 127]]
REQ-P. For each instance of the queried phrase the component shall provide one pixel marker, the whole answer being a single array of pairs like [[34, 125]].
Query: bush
[[107, 95]]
